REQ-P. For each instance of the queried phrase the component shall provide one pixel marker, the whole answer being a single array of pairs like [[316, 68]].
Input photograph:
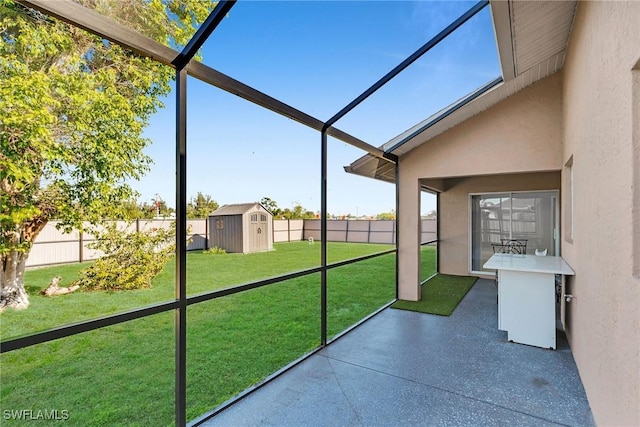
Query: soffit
[[531, 36], [538, 33]]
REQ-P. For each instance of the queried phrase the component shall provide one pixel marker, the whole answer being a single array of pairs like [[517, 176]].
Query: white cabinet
[[526, 296]]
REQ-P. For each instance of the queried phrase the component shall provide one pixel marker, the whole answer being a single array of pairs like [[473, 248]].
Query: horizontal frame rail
[[139, 313], [85, 326], [282, 370], [409, 60], [429, 242], [93, 22]]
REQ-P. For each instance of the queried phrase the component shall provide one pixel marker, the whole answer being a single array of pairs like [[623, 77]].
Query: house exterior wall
[[453, 245], [521, 134], [601, 116]]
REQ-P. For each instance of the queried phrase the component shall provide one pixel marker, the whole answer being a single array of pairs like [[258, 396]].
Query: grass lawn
[[427, 262], [123, 374]]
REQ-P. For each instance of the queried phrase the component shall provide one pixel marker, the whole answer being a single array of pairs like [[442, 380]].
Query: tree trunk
[[12, 292], [13, 262]]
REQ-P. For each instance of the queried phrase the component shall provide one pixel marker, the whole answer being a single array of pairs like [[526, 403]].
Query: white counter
[[530, 263], [526, 296]]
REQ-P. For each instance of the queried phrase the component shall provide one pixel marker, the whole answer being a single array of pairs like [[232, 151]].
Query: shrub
[[131, 260], [214, 251]]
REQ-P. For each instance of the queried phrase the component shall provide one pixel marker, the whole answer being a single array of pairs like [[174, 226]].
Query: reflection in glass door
[[531, 216]]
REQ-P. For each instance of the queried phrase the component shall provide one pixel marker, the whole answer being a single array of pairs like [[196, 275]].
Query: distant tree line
[[198, 207], [296, 212], [203, 204]]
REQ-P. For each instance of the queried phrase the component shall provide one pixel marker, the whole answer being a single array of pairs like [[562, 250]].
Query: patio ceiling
[[531, 37]]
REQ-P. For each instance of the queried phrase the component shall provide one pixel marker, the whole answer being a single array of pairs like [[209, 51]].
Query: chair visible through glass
[[510, 246]]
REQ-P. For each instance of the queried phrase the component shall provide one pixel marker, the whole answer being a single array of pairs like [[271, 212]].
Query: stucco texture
[[603, 320], [454, 211], [521, 134]]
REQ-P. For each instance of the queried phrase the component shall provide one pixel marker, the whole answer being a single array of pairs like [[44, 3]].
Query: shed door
[[258, 232]]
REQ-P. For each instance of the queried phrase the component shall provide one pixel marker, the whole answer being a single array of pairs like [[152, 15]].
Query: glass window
[[531, 217]]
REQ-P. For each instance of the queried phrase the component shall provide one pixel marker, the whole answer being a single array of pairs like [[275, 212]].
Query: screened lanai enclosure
[[291, 112]]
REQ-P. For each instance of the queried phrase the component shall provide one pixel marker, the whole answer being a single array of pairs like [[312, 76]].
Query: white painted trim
[[501, 17]]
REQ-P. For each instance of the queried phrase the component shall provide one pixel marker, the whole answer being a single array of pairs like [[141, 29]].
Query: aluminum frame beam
[[206, 28], [181, 250], [91, 21], [410, 60]]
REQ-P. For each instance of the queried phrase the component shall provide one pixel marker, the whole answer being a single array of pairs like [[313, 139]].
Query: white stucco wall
[[454, 245], [603, 321], [521, 134]]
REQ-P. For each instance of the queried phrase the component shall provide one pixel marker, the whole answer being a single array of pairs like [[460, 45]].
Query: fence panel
[[311, 229], [296, 229], [358, 231], [428, 229], [54, 247], [383, 232]]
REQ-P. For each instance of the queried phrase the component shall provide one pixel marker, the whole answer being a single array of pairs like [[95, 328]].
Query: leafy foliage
[[201, 206], [271, 205], [131, 210], [387, 216], [297, 212], [131, 260], [72, 117], [214, 251]]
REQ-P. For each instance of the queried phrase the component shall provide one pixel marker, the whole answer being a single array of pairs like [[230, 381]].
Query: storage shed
[[241, 228]]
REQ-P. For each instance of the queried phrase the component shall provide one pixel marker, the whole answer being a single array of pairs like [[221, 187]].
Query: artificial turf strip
[[440, 295]]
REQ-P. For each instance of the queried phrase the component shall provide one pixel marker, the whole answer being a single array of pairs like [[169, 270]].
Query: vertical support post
[[81, 246], [438, 232], [206, 233], [323, 239], [181, 249], [397, 221], [346, 233]]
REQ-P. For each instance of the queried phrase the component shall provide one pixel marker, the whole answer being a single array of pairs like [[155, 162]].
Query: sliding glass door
[[532, 216]]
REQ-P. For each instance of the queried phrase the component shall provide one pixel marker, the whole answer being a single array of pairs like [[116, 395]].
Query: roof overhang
[[531, 37]]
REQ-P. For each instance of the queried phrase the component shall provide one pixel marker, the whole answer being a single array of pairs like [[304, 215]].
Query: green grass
[[205, 272], [427, 262], [440, 295], [123, 374]]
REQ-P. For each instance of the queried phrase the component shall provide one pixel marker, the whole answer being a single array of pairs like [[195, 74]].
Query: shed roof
[[235, 209]]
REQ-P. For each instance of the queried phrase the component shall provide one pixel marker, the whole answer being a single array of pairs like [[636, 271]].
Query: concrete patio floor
[[404, 368]]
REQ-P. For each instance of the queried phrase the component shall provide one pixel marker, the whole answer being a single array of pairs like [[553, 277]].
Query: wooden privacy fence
[[54, 247]]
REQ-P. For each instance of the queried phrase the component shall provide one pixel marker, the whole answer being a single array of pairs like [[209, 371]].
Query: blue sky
[[316, 57]]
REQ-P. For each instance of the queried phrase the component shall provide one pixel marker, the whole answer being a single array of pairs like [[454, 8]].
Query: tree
[[131, 210], [71, 120], [271, 206], [430, 215], [131, 259], [201, 206], [298, 212], [387, 216]]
